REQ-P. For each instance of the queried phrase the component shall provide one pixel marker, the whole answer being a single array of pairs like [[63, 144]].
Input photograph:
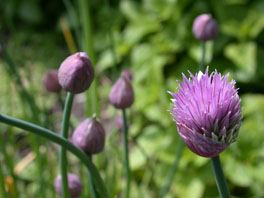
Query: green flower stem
[[61, 102], [2, 183], [126, 153], [62, 155], [203, 48], [91, 182], [220, 178], [173, 169], [52, 136]]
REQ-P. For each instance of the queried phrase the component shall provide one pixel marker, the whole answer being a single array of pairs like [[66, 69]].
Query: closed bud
[[205, 27], [89, 136], [119, 124], [122, 94], [75, 185], [128, 74], [76, 73], [50, 81]]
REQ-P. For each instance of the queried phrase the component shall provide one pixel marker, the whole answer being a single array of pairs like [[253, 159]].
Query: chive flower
[[75, 185], [76, 73], [207, 112], [50, 81], [205, 27]]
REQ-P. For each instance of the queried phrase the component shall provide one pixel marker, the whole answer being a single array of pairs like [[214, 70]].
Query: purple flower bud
[[75, 185], [207, 112], [89, 136], [128, 74], [50, 81], [205, 27], [122, 94], [76, 73], [119, 124]]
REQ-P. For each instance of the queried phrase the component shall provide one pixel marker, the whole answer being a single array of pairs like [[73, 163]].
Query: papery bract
[[207, 112], [205, 27], [76, 73], [89, 136], [122, 95]]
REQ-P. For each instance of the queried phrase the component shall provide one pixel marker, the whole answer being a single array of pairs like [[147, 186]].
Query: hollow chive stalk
[[220, 178], [126, 153], [63, 154], [173, 170], [52, 136], [203, 50], [93, 192]]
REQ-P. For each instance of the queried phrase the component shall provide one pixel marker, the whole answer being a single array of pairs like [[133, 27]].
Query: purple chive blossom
[[207, 112]]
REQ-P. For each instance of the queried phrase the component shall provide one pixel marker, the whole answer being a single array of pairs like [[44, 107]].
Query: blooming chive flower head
[[207, 112], [89, 136], [75, 185], [205, 27], [76, 73], [50, 81]]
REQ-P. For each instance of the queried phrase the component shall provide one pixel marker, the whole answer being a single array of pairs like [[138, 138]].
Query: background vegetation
[[154, 39]]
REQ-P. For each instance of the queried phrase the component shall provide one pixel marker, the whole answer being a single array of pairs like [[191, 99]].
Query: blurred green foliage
[[154, 39]]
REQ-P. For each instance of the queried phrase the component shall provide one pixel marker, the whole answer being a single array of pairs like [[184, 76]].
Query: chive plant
[[203, 118], [90, 137], [75, 76], [121, 97], [207, 108]]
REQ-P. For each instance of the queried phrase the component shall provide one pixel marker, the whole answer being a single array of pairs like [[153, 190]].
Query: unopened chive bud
[[50, 81], [75, 185], [122, 94], [205, 27], [119, 124], [89, 136], [76, 73]]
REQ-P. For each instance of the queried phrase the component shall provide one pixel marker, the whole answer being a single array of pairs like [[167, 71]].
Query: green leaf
[[244, 56]]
